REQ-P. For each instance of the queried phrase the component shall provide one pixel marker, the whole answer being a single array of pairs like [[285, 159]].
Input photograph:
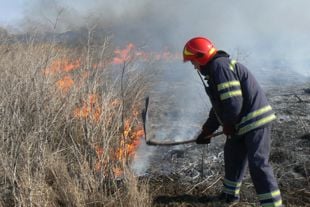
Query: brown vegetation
[[67, 134]]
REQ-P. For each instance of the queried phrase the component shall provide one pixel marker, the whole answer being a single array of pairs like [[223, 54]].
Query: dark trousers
[[252, 149]]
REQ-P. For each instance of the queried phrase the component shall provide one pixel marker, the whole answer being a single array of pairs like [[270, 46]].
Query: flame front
[[91, 108], [122, 55], [62, 65], [129, 142], [131, 51]]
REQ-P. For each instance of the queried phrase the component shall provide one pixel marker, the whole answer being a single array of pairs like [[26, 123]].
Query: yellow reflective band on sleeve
[[266, 196], [227, 85], [232, 64], [256, 124], [186, 52], [255, 114], [230, 94]]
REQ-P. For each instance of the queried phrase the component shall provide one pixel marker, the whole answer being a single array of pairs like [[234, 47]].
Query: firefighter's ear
[[199, 55]]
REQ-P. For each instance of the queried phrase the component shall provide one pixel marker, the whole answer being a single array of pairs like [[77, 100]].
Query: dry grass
[[48, 155]]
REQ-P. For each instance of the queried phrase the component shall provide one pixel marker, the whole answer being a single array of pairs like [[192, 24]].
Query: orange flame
[[132, 135], [90, 109], [167, 56], [130, 51], [65, 83], [123, 55], [62, 65], [65, 66], [127, 148]]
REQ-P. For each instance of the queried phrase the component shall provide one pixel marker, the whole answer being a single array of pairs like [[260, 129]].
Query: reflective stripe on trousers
[[252, 148]]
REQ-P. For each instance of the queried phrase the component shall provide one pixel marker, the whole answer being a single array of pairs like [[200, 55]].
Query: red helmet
[[199, 49]]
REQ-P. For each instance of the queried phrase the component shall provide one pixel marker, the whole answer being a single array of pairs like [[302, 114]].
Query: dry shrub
[[138, 193], [59, 146]]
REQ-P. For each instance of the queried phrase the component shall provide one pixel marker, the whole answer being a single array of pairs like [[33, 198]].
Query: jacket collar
[[205, 69]]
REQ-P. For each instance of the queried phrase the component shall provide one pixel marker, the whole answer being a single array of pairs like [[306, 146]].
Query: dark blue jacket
[[236, 97]]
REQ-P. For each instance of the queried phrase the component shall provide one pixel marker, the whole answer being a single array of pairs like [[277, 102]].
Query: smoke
[[263, 31], [271, 37]]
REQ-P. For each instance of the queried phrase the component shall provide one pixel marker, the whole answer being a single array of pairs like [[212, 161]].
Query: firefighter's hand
[[203, 137], [229, 130]]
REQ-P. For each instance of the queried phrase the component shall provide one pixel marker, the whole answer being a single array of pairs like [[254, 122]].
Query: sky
[[11, 11]]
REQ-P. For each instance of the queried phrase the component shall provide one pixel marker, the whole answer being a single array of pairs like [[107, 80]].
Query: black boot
[[227, 198]]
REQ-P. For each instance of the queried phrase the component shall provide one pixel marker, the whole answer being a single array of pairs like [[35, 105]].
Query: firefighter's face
[[196, 64]]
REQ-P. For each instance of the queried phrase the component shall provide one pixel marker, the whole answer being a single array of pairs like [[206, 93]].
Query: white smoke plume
[[269, 33]]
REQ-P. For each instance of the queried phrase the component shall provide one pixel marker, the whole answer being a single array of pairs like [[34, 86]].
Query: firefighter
[[240, 106]]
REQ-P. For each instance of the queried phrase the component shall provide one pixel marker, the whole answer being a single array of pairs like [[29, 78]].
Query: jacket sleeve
[[212, 123], [229, 93]]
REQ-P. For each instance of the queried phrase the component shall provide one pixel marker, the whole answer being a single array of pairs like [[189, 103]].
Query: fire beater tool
[[165, 143]]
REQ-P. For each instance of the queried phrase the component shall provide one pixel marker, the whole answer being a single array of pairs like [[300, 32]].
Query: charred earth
[[191, 175]]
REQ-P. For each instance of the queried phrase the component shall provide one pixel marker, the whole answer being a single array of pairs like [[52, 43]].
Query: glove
[[202, 138], [229, 129]]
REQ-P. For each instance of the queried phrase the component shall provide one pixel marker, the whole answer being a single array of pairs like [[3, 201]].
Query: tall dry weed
[[58, 143]]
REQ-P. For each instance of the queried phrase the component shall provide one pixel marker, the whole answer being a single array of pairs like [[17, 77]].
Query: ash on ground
[[188, 175]]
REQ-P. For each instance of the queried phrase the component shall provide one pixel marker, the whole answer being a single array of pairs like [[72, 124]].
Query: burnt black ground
[[190, 175]]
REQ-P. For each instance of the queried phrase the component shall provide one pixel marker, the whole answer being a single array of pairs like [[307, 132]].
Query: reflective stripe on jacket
[[236, 96]]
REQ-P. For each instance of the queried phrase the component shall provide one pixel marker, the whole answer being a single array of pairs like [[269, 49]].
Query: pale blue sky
[[11, 11]]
